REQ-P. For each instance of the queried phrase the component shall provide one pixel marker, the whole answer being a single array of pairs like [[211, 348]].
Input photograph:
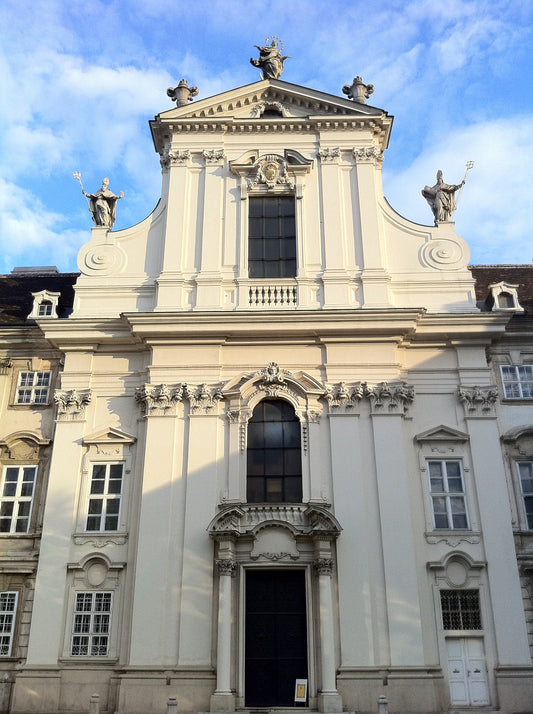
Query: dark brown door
[[276, 636]]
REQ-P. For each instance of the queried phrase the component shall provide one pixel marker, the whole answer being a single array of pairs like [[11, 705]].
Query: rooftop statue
[[182, 93], [102, 204], [441, 196], [270, 61], [358, 90]]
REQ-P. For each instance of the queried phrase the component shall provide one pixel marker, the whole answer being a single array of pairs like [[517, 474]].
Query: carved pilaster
[[329, 156], [324, 566], [5, 365], [478, 401], [159, 400], [390, 397], [343, 398], [226, 567], [179, 157], [368, 154], [203, 399], [214, 156], [71, 404]]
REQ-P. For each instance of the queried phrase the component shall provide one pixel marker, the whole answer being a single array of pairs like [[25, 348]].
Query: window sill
[[105, 661], [99, 539], [452, 537]]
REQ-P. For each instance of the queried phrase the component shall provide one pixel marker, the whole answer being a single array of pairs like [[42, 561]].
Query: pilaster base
[[222, 702], [329, 702]]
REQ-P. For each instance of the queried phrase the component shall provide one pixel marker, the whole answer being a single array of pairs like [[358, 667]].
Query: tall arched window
[[274, 471]]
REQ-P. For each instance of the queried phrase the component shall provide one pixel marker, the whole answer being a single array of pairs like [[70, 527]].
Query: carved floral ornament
[[163, 399], [478, 401], [270, 170], [300, 519], [384, 397], [71, 403]]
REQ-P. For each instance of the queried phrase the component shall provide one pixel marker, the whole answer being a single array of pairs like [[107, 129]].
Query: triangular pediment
[[442, 433], [291, 100], [109, 435]]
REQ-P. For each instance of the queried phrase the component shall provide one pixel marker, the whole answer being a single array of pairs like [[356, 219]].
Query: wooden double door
[[276, 636]]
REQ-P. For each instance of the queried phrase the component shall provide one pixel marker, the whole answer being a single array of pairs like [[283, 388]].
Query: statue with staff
[[441, 196], [102, 204]]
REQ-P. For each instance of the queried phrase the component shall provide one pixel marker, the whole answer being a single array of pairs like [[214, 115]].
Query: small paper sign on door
[[300, 690]]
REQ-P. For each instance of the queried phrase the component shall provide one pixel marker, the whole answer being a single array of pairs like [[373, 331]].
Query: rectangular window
[[460, 609], [8, 609], [92, 620], [33, 387], [525, 472], [447, 494], [517, 381], [16, 498], [105, 493], [271, 237]]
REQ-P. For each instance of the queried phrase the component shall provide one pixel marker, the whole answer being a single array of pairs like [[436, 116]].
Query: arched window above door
[[274, 460]]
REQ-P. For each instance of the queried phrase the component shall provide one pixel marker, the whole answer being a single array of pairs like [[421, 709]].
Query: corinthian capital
[[71, 404]]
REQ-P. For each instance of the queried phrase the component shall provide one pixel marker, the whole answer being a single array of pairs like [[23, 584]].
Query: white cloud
[[495, 206], [29, 230]]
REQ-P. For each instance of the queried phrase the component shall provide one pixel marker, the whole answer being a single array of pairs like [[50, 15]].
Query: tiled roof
[[16, 290], [521, 275]]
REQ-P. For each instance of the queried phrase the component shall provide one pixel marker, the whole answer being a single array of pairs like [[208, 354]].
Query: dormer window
[[504, 297], [44, 305]]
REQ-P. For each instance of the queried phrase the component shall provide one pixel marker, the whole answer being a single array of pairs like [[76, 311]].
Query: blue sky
[[80, 80]]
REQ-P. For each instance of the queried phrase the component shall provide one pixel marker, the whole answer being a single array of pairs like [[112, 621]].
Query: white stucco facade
[[378, 346]]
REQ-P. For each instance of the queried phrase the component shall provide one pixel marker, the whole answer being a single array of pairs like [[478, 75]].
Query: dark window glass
[[272, 237], [274, 454]]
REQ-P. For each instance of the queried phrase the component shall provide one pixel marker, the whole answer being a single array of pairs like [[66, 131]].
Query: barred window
[[517, 381], [525, 471], [91, 626], [16, 498], [447, 494], [460, 609], [271, 237], [8, 609], [104, 497], [33, 387]]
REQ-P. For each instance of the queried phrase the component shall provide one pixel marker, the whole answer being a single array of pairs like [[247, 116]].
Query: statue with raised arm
[[441, 198], [102, 204], [270, 61]]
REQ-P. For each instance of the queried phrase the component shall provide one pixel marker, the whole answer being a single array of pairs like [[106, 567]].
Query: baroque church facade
[[278, 440]]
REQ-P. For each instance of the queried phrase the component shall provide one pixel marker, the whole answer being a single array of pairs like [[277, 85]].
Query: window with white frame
[[525, 472], [8, 609], [33, 387], [105, 493], [91, 624], [460, 609], [447, 494], [45, 308], [16, 498], [517, 381]]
